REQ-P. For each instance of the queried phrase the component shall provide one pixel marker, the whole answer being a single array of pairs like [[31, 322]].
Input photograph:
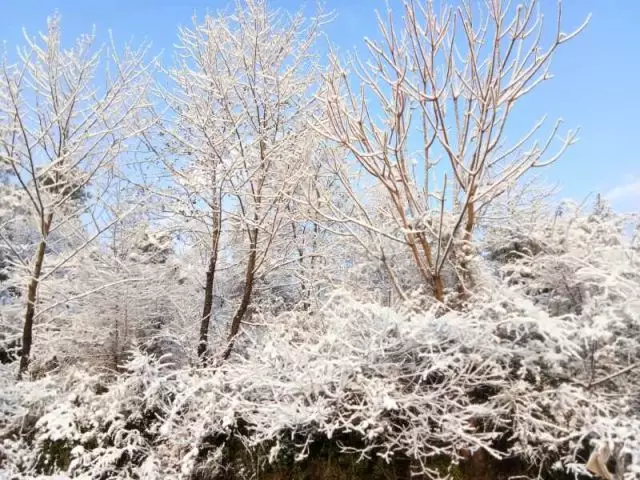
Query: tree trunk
[[438, 287], [32, 295], [465, 281], [206, 310], [300, 249], [208, 287], [246, 294]]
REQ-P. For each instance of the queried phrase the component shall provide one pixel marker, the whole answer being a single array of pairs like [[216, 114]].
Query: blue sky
[[596, 85]]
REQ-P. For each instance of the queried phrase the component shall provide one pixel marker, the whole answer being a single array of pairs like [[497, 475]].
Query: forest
[[261, 257]]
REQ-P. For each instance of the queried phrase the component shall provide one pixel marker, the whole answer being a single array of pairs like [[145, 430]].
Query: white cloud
[[627, 194]]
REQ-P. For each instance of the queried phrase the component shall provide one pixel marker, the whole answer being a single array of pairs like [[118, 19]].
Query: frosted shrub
[[403, 382]]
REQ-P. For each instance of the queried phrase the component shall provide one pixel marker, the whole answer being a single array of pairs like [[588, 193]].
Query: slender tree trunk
[[438, 287], [312, 261], [464, 278], [209, 282], [300, 249], [116, 341], [471, 216], [246, 294], [467, 280], [32, 295], [207, 308]]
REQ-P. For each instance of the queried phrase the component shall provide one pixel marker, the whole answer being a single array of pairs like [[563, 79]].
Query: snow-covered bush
[[230, 268], [498, 377]]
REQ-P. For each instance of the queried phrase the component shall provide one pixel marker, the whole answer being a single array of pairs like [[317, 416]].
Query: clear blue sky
[[597, 84]]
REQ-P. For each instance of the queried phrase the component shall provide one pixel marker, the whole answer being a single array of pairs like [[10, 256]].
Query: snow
[[385, 320]]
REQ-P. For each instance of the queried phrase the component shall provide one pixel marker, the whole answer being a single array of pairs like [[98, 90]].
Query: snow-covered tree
[[399, 300], [238, 132], [62, 128], [424, 119]]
